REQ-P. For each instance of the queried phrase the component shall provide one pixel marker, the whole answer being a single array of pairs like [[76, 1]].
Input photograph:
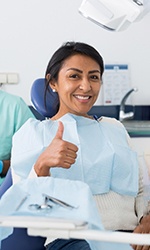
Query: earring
[[54, 90]]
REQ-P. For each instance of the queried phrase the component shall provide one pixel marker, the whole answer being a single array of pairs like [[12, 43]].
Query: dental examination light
[[114, 15]]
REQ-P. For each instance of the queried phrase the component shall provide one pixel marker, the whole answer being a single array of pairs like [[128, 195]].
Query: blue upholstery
[[6, 183], [37, 98], [19, 240]]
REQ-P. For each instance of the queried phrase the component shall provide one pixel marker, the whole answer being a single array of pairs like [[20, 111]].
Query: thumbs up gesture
[[59, 153]]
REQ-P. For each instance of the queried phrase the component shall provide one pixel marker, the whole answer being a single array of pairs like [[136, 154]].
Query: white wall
[[31, 30]]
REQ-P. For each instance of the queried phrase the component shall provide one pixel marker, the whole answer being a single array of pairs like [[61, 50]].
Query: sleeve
[[22, 113]]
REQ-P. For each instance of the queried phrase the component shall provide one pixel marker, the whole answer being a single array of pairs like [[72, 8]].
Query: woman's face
[[78, 85]]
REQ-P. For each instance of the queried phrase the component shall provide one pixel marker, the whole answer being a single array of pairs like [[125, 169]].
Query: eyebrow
[[80, 71]]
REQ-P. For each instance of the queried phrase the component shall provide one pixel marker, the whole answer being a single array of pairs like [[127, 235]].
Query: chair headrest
[[37, 98]]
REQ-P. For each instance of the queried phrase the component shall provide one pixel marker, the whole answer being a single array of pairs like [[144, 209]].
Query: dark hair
[[66, 50]]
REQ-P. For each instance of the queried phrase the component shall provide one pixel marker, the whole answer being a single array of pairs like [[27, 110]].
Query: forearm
[[41, 169]]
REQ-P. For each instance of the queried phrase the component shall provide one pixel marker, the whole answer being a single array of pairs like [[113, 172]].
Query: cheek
[[96, 89], [64, 91], [68, 88]]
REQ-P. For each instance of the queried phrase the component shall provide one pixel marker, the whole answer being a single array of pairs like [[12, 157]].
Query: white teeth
[[82, 97]]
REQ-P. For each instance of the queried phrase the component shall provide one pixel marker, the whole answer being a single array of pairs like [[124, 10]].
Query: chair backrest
[[20, 240], [47, 104], [6, 183]]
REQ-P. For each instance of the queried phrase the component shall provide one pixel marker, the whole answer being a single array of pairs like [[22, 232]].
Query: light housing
[[114, 15]]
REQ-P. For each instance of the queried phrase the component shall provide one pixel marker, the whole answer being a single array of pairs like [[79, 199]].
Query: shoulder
[[11, 99], [13, 102], [30, 124], [32, 134], [33, 127], [114, 127], [8, 96], [111, 121]]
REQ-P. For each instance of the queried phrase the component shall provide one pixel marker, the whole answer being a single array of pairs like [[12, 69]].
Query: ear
[[48, 77], [53, 85]]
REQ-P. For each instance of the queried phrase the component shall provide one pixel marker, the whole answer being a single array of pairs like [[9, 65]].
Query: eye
[[95, 77], [74, 76]]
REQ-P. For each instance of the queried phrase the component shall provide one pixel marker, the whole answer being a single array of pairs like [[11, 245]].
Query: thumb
[[60, 131]]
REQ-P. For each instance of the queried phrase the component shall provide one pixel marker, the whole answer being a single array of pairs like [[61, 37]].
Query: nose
[[85, 85]]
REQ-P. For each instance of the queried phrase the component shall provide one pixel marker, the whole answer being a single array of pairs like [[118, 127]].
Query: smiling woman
[[75, 73], [78, 86], [73, 145]]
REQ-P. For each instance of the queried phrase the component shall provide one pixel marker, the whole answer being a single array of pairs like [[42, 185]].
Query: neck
[[57, 116]]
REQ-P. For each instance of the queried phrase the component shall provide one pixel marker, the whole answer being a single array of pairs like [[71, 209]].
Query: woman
[[76, 146]]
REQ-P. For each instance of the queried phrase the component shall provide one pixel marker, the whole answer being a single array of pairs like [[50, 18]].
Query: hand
[[59, 153], [5, 167], [143, 227]]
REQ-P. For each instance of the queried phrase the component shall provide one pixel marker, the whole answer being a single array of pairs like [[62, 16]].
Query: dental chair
[[20, 240], [45, 104]]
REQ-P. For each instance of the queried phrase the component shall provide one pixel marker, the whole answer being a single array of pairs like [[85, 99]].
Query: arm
[[35, 151], [59, 153], [144, 221], [143, 227]]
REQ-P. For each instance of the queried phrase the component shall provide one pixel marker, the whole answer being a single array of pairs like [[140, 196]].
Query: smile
[[82, 97]]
